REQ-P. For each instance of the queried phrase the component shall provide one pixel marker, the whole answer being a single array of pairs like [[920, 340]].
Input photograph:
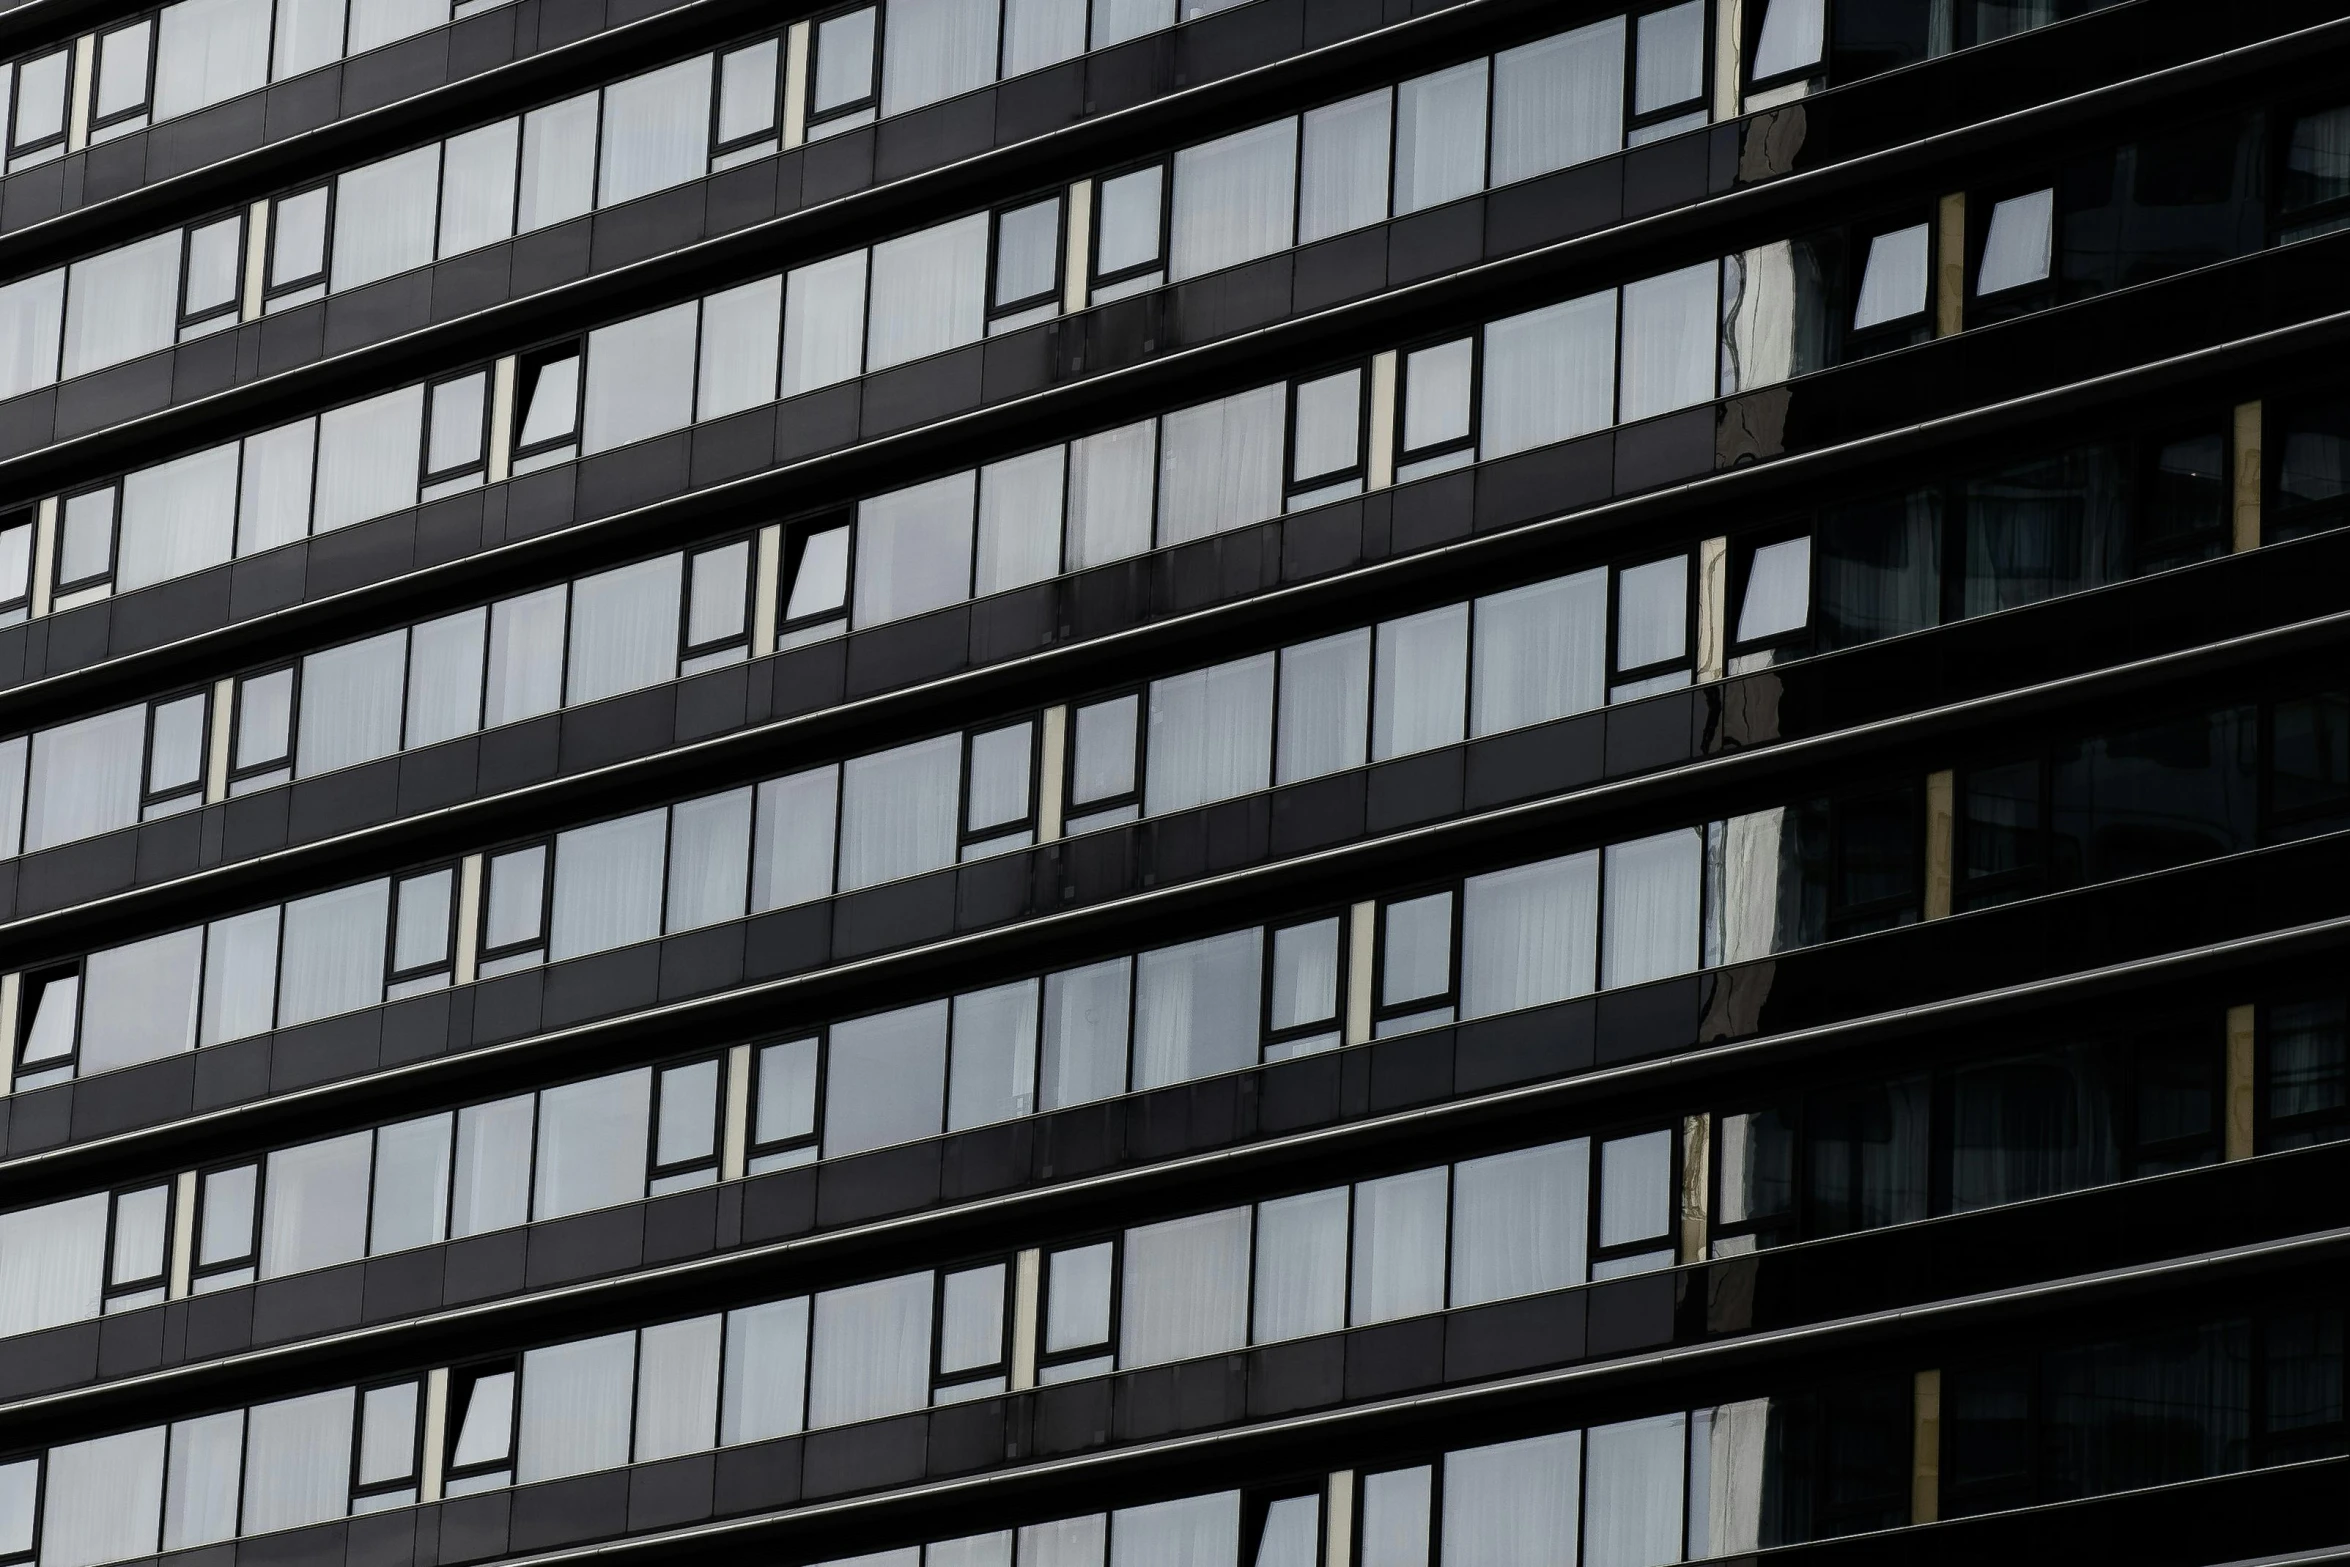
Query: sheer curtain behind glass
[[1440, 137], [1184, 1290], [1669, 341], [898, 811], [1342, 181], [1211, 734], [1220, 466], [1558, 101], [591, 1144], [1549, 374], [298, 1461], [624, 629], [1300, 1285], [929, 292], [608, 884], [656, 131], [1632, 1492], [1650, 926], [934, 49], [872, 1351], [1195, 1009], [1512, 1504], [1541, 652], [1528, 934], [1233, 199], [1518, 1222], [575, 1407]]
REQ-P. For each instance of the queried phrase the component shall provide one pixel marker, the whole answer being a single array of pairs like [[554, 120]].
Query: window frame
[[1097, 279], [837, 118]]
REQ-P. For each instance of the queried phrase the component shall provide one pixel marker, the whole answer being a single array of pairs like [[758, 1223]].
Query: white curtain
[[139, 1002], [709, 860], [1038, 33], [898, 811], [1558, 101], [886, 1079], [1518, 1222], [444, 677], [935, 49], [1183, 1290], [1110, 477], [526, 657], [1729, 1451], [1440, 137], [384, 217], [994, 1073], [1115, 21], [1893, 281], [1234, 198], [786, 1106], [1418, 957], [977, 1550], [104, 1499], [766, 1371], [477, 187], [640, 378], [375, 23], [85, 778], [1528, 934], [792, 860], [677, 1388], [1195, 1009], [1792, 37], [591, 1144], [823, 323], [411, 1185], [1421, 700], [52, 1264], [2015, 250], [205, 1472], [1399, 1238], [1550, 374], [971, 1318], [608, 885], [624, 629], [1632, 1490], [1020, 520], [656, 131], [742, 334], [178, 517], [575, 1407], [1211, 734], [240, 976], [297, 1461], [1635, 1188], [1325, 706], [1085, 1019], [122, 304], [914, 549], [1220, 466], [334, 952], [314, 1205], [929, 291], [558, 163], [273, 507], [872, 1354], [1778, 591], [1342, 184], [998, 786], [1077, 1297], [1670, 326], [1649, 929], [351, 700], [1512, 1504], [493, 1166], [32, 315], [1397, 1509], [367, 455], [208, 51], [1301, 1267], [1196, 1531], [1305, 974], [1541, 652]]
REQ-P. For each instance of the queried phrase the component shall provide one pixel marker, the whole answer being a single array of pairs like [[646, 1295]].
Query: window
[[297, 249], [844, 88], [1025, 287], [456, 435], [748, 103], [1890, 310], [1789, 39], [36, 130], [1668, 72], [2314, 195], [2016, 243], [212, 276], [126, 75], [1439, 412], [1326, 420], [1129, 229], [546, 407]]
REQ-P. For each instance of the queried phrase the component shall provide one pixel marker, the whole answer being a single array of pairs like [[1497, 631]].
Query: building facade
[[1086, 783]]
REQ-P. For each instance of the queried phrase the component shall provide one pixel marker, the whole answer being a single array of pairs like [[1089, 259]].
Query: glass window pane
[[792, 857], [1632, 1481], [999, 784], [1652, 613], [1436, 394], [1110, 482], [608, 885], [1635, 1188], [517, 896], [872, 1351], [688, 1128], [766, 1371], [1342, 184], [477, 187], [493, 1167], [1778, 591], [420, 935], [1211, 734], [1421, 700], [1234, 198], [334, 952], [591, 1144], [1528, 935], [935, 49], [558, 163], [1669, 341], [411, 1185], [2015, 249], [1558, 101], [1220, 465], [1440, 137], [1301, 1267], [1305, 974], [274, 507], [314, 1205], [914, 549], [886, 1079], [175, 754], [624, 629], [1549, 375], [972, 1333], [1027, 252], [122, 304], [1115, 21], [297, 238], [575, 1408], [1195, 1009], [455, 440], [1019, 521], [1184, 1288], [139, 1001], [1085, 1022], [1038, 33], [1417, 961], [656, 131], [844, 60], [32, 316], [351, 700], [526, 657], [444, 677], [1518, 1222], [746, 90], [898, 811], [142, 1222], [929, 292], [486, 1430], [384, 216], [820, 584], [208, 51], [1893, 282], [1541, 652], [52, 1263], [216, 254], [640, 378], [709, 860], [298, 1461], [104, 1498], [1650, 924], [240, 976], [225, 1233], [1128, 219], [1511, 1503], [1399, 1242], [1077, 1297], [550, 401], [1329, 414], [741, 330], [375, 23], [787, 1092], [1671, 58], [994, 1073], [1325, 706], [85, 778], [367, 458], [201, 1484], [1196, 1531], [677, 1388], [1792, 37], [823, 323], [387, 1433], [1397, 1507]]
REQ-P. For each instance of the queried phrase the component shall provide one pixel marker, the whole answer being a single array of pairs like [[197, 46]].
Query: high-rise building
[[1174, 783]]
